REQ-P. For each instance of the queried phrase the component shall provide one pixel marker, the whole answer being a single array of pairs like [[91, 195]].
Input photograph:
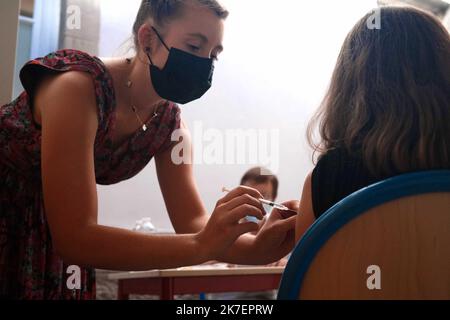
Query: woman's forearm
[[118, 249], [240, 252]]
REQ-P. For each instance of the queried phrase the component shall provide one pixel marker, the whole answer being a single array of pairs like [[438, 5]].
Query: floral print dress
[[29, 267]]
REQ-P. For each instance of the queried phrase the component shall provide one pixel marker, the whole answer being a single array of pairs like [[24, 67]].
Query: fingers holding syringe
[[246, 199], [242, 211], [239, 191]]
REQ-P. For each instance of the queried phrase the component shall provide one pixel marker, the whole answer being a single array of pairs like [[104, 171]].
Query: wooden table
[[167, 283]]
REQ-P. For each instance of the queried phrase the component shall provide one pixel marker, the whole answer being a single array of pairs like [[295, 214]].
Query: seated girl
[[387, 110]]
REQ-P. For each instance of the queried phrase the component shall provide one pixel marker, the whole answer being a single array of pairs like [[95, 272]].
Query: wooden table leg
[[121, 294], [167, 289]]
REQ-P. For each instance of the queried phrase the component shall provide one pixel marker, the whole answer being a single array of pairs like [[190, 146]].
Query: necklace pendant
[[129, 84], [144, 127]]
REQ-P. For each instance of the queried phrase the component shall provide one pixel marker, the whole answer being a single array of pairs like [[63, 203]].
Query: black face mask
[[184, 78]]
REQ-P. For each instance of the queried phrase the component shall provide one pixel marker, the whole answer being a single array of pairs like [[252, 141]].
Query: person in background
[[266, 183], [387, 111]]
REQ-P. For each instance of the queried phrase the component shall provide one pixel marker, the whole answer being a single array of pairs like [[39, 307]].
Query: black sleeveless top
[[337, 175]]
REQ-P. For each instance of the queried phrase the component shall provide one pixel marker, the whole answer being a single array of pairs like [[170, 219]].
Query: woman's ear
[[146, 38]]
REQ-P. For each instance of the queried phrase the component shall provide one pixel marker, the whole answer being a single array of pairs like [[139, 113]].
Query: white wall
[[278, 59], [23, 52], [446, 20], [9, 24]]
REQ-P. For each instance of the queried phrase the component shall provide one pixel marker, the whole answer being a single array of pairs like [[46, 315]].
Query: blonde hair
[[389, 97]]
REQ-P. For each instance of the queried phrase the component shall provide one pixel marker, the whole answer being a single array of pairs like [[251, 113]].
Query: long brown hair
[[389, 97]]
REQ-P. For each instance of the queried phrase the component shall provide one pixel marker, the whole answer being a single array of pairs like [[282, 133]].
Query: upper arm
[[69, 125], [178, 186], [306, 217]]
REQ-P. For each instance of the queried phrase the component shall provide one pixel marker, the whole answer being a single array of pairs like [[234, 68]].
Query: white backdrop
[[278, 59]]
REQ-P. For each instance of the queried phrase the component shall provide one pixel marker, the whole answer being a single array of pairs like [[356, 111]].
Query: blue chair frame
[[354, 205]]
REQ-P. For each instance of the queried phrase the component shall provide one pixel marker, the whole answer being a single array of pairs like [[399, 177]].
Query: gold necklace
[[129, 84]]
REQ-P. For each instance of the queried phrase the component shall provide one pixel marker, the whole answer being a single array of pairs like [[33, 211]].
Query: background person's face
[[266, 189]]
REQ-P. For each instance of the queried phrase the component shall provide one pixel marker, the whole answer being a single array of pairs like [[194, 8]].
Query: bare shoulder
[[70, 80], [307, 190], [308, 182], [69, 96], [306, 212], [306, 196]]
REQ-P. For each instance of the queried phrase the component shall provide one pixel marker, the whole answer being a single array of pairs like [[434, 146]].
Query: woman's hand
[[224, 227], [276, 236]]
